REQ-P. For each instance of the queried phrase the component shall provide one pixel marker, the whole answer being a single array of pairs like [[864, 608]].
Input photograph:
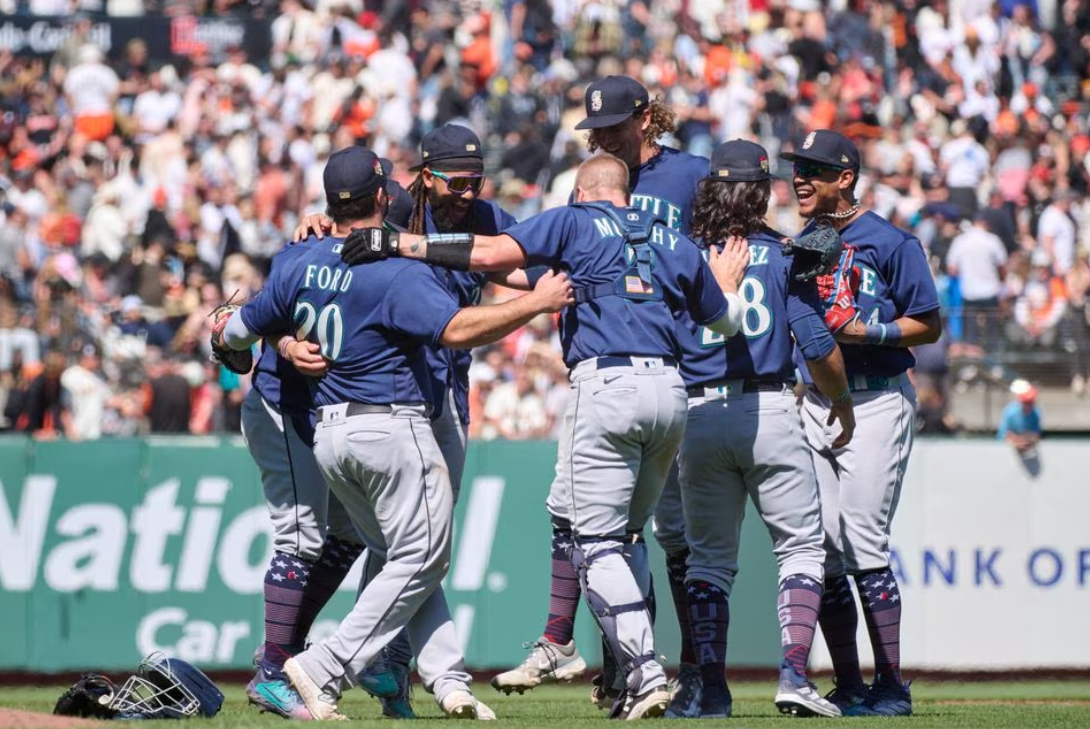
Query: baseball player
[[443, 200], [744, 436], [895, 306], [624, 121], [373, 441], [625, 416]]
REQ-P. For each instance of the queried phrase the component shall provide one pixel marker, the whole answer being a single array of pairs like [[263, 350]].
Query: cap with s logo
[[826, 147], [612, 100]]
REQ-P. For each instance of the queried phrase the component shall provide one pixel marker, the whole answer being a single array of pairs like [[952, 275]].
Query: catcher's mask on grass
[[167, 688]]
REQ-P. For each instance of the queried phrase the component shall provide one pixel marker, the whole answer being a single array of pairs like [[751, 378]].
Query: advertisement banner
[[167, 38]]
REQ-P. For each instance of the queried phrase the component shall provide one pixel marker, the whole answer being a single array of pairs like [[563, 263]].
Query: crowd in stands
[[138, 192]]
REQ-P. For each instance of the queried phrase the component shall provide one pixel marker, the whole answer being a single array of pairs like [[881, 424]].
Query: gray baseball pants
[[388, 471], [861, 484], [748, 445], [621, 431]]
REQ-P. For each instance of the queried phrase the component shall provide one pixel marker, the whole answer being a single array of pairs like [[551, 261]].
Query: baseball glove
[[90, 697], [837, 291], [816, 253], [239, 361]]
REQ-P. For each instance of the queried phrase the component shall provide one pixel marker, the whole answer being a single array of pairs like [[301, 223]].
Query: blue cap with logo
[[451, 147], [352, 173], [611, 100], [826, 147], [739, 161]]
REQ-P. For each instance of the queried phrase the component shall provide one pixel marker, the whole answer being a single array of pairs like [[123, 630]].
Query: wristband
[[843, 397], [450, 250], [884, 335], [282, 346]]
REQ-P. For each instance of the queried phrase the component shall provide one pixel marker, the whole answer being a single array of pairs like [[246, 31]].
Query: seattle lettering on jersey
[[670, 214]]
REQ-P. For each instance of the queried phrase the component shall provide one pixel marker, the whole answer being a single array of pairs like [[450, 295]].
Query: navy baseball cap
[[740, 161], [826, 147], [451, 147], [352, 173], [611, 100]]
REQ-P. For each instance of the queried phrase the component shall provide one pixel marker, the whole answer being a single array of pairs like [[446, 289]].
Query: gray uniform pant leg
[[749, 446], [668, 524], [296, 494], [389, 474], [620, 435], [861, 484]]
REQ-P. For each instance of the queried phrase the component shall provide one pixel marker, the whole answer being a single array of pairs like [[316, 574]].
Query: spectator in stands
[[965, 162], [43, 412], [85, 396], [92, 89], [976, 258], [1056, 232], [1041, 306]]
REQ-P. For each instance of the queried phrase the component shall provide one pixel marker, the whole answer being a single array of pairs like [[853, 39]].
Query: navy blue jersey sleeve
[[544, 235], [804, 314], [270, 312], [418, 305], [704, 298], [911, 286]]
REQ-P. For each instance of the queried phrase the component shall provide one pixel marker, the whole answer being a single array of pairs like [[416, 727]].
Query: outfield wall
[[112, 549]]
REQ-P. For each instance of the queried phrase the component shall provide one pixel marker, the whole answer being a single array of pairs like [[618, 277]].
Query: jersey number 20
[[757, 320], [328, 323]]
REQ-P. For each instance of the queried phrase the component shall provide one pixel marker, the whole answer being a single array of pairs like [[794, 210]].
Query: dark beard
[[441, 216]]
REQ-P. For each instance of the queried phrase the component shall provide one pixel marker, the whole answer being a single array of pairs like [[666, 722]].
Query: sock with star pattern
[[709, 618], [797, 606], [285, 581], [676, 567], [338, 556], [564, 590], [881, 598], [839, 619]]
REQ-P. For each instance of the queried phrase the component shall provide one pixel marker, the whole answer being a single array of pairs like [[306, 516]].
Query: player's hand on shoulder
[[365, 245], [316, 224], [729, 266], [553, 292], [305, 357]]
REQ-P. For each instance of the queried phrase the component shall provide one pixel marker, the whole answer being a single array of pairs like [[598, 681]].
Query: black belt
[[626, 361], [366, 408], [748, 387]]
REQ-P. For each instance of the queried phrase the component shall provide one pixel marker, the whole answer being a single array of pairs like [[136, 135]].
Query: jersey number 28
[[757, 320], [328, 323]]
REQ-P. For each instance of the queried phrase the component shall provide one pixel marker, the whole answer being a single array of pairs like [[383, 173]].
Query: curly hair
[[663, 122], [723, 209]]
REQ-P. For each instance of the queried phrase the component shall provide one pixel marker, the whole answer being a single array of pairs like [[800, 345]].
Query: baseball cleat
[[276, 696], [399, 706], [322, 705], [651, 704], [484, 713], [885, 698], [798, 697], [716, 703], [602, 696], [459, 705], [378, 679], [547, 662], [846, 696], [686, 693]]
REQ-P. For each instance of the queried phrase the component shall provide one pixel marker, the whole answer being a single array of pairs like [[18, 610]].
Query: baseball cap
[[611, 100], [828, 148], [451, 147], [1024, 391], [739, 161], [352, 173]]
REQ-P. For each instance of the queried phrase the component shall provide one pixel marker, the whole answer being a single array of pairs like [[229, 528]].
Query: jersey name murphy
[[608, 229]]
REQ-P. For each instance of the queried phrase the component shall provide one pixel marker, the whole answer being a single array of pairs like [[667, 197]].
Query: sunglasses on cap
[[461, 184], [806, 168]]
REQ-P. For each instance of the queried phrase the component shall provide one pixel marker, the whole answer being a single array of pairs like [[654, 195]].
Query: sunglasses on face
[[813, 169], [461, 184]]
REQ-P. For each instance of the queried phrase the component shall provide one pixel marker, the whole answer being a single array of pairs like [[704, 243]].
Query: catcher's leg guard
[[617, 606], [635, 554]]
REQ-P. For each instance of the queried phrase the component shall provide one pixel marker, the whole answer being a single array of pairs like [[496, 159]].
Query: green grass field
[[995, 705]]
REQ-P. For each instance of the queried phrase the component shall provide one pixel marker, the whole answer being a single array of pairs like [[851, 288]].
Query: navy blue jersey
[[371, 322], [894, 281], [777, 307], [588, 245], [666, 186], [450, 367]]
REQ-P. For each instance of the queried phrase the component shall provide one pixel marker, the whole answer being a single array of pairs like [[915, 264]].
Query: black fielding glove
[[366, 245]]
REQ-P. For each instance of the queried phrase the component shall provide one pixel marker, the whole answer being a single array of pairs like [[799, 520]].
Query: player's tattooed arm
[[459, 251], [474, 326], [907, 331], [832, 381]]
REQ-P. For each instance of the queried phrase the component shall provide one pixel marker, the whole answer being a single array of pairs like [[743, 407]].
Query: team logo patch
[[764, 164], [809, 142], [636, 285], [724, 173], [844, 159], [596, 101], [638, 102], [378, 168], [345, 195], [471, 147], [425, 155]]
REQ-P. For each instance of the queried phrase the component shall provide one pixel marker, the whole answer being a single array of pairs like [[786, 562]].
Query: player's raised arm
[[458, 251]]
